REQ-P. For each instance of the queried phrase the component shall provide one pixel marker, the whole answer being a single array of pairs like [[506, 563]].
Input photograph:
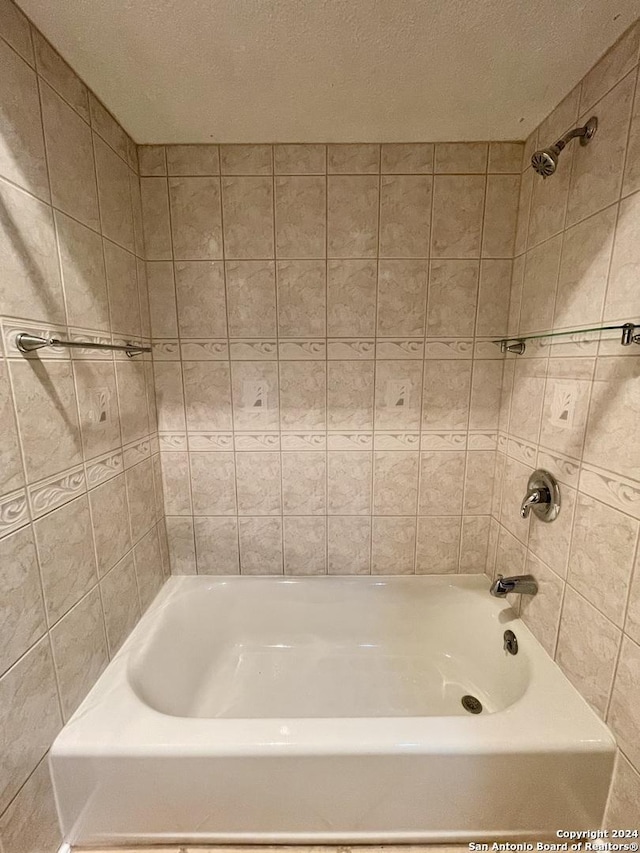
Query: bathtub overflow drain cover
[[472, 705]]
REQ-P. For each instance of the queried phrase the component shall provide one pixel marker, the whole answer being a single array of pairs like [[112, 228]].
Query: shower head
[[545, 161]]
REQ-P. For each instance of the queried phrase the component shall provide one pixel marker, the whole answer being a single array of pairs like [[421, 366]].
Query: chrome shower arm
[[585, 131]]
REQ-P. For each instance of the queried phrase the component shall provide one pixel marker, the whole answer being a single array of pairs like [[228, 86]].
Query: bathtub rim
[[113, 721]]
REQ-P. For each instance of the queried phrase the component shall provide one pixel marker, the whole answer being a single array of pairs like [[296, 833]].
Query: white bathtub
[[319, 710]]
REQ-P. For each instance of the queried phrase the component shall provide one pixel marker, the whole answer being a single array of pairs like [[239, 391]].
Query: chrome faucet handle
[[534, 497], [543, 496]]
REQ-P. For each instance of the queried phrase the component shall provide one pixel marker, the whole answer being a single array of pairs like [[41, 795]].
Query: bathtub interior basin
[[322, 647], [329, 711]]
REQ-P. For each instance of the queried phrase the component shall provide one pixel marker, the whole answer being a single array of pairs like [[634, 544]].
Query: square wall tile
[[395, 482], [261, 546], [303, 395], [114, 195], [350, 394], [602, 537], [304, 482], [405, 216], [80, 651], [300, 217], [353, 158], [195, 218], [29, 715], [587, 658], [51, 442], [623, 716], [402, 294], [302, 301], [438, 545], [349, 545], [213, 483], [248, 217], [407, 158], [445, 398], [258, 483], [201, 301], [22, 157], [598, 168], [217, 550], [305, 545], [393, 545], [70, 159], [349, 482], [458, 204], [441, 482], [300, 159], [193, 160], [351, 298], [251, 298], [22, 615], [352, 216], [453, 296]]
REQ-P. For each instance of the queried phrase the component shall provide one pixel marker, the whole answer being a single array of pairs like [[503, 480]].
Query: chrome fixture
[[545, 161], [629, 334], [510, 643], [29, 343], [521, 584], [518, 347], [543, 496]]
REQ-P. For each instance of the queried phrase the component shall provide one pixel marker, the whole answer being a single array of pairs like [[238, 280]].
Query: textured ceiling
[[331, 70]]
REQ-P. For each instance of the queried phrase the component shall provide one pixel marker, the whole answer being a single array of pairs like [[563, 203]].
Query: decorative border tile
[[349, 441], [211, 441], [565, 469], [90, 354], [443, 440], [303, 440], [393, 348], [257, 441], [347, 349], [305, 350], [56, 491], [14, 512], [204, 350], [166, 350], [487, 350], [11, 329], [611, 489], [482, 440], [396, 441], [522, 451], [448, 348], [253, 350], [133, 340], [135, 452], [103, 468], [172, 441]]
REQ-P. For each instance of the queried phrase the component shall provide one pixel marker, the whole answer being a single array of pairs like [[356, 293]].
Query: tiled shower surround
[[81, 529], [328, 396], [322, 316], [574, 407]]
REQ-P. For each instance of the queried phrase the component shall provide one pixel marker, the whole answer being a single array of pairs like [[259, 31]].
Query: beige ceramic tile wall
[[80, 497], [327, 393], [577, 263]]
